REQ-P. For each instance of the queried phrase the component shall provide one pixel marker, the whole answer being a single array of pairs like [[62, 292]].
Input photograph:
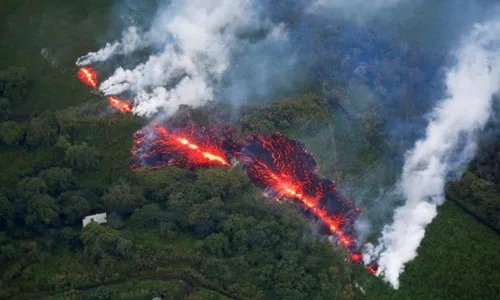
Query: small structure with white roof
[[98, 218]]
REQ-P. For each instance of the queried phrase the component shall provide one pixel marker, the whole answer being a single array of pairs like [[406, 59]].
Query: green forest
[[194, 234]]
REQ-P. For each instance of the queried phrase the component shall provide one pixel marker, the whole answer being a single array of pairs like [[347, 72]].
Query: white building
[[98, 218]]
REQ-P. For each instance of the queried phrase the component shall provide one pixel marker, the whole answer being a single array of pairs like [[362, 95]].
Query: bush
[[43, 130], [42, 211], [82, 157], [100, 242], [12, 133], [74, 207], [217, 244], [58, 180], [167, 230], [5, 107], [149, 216], [123, 199], [14, 84], [6, 212]]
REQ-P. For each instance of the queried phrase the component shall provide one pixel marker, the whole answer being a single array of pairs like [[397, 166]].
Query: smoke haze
[[195, 42], [449, 144]]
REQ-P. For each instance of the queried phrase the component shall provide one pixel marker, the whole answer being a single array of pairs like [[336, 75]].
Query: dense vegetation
[[204, 234]]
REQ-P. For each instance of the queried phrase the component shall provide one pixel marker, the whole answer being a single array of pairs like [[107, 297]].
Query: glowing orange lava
[[283, 169], [192, 150], [372, 269], [191, 146], [280, 166], [121, 105], [88, 76], [284, 187]]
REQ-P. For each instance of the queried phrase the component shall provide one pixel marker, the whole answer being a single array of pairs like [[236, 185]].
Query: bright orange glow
[[121, 105], [205, 154], [356, 257], [372, 269], [285, 189], [280, 166], [191, 146], [88, 76], [284, 169]]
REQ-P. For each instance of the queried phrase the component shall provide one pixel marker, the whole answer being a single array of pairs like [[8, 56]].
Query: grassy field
[[458, 259]]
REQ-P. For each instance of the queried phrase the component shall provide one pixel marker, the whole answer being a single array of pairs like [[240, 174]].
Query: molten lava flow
[[280, 166], [88, 76], [284, 169], [189, 147], [373, 269], [121, 105]]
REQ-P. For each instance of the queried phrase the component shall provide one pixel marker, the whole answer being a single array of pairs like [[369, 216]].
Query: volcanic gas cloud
[[280, 166]]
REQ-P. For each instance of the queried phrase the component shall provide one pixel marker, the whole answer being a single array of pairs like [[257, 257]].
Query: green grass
[[458, 259]]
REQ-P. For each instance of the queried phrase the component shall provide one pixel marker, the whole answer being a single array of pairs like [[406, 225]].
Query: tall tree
[[43, 130], [82, 157], [5, 107], [74, 207], [6, 212], [14, 84], [42, 211], [123, 199], [58, 180]]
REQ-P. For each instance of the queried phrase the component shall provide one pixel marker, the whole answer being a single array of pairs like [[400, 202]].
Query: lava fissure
[[88, 76], [189, 147], [285, 169], [119, 104]]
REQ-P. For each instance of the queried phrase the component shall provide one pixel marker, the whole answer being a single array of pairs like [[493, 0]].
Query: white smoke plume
[[449, 144], [196, 41], [130, 42]]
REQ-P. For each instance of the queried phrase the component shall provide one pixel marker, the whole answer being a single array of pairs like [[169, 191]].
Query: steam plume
[[130, 42], [449, 144], [195, 41]]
